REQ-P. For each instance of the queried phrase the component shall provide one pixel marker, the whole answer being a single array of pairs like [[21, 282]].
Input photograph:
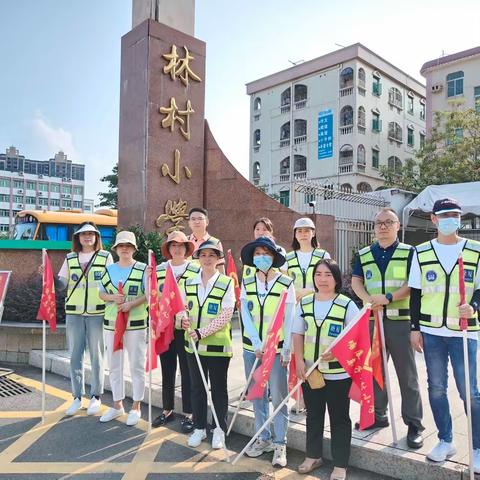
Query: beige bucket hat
[[125, 237]]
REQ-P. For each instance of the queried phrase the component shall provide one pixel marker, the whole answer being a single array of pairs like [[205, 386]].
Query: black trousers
[[215, 369], [334, 396], [168, 361]]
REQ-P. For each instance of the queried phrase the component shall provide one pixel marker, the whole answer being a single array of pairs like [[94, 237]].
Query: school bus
[[60, 225]]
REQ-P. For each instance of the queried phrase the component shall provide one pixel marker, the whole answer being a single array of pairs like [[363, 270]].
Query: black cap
[[445, 205], [269, 244]]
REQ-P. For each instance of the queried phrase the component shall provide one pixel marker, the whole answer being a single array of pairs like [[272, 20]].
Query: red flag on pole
[[353, 350], [232, 272], [154, 310], [48, 309], [120, 325], [261, 374], [377, 352], [461, 288]]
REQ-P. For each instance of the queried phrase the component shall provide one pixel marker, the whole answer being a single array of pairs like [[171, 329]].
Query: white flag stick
[[44, 342], [469, 404], [149, 350], [387, 378]]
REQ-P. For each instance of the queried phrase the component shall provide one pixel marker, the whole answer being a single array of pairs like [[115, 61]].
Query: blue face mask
[[447, 226], [263, 262]]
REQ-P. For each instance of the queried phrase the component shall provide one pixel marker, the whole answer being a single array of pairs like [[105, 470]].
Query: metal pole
[[469, 404], [149, 350], [44, 342]]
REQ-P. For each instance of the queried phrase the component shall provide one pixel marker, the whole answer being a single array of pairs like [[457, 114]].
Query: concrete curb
[[367, 455]]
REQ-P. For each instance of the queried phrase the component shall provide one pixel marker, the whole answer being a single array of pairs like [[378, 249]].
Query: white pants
[[136, 347]]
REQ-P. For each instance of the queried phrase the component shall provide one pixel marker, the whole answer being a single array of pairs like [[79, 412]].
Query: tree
[[450, 155], [264, 189], [110, 198]]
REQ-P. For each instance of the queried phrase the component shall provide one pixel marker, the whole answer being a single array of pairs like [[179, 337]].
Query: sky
[[59, 86]]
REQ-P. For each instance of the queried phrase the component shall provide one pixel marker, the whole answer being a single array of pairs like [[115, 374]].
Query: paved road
[[81, 447]]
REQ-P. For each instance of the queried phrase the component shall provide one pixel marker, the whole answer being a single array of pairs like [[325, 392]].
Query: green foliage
[[110, 198], [264, 189], [450, 155]]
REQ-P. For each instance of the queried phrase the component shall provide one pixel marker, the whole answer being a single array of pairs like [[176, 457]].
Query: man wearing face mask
[[435, 315], [259, 297]]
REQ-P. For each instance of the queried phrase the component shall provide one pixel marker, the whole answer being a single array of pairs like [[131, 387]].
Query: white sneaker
[[133, 417], [111, 414], [74, 407], [94, 406], [195, 439], [259, 447], [279, 456], [218, 440], [441, 451], [476, 460]]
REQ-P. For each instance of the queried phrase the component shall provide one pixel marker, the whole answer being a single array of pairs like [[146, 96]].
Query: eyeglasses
[[386, 223]]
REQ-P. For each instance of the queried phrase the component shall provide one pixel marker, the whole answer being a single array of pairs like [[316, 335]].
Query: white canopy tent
[[467, 194]]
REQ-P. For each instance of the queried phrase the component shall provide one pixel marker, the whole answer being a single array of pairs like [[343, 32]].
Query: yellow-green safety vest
[[319, 334], [440, 290], [395, 276], [132, 289], [303, 279], [83, 296], [190, 272], [262, 314], [219, 344]]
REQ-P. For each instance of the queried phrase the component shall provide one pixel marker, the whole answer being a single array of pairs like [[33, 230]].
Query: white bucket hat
[[125, 237], [304, 223], [87, 227]]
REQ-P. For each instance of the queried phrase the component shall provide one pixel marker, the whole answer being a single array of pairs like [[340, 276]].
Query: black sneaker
[[187, 425]]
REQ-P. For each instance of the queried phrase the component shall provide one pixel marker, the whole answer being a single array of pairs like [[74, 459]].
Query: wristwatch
[[389, 297]]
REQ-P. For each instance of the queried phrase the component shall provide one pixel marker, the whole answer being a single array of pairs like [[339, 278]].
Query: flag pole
[[44, 341], [387, 378], [279, 407], [207, 390], [149, 348]]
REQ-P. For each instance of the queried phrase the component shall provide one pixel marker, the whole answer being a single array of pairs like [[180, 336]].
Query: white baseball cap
[[304, 223]]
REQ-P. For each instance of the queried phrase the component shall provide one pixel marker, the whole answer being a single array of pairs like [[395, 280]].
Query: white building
[[349, 113], [54, 184], [88, 205], [453, 82]]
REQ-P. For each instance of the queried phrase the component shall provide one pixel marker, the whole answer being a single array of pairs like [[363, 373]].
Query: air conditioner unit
[[40, 175], [20, 191], [20, 205], [40, 194], [64, 179], [437, 88], [20, 174]]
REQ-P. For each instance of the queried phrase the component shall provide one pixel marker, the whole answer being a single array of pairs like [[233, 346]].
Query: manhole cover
[[11, 388]]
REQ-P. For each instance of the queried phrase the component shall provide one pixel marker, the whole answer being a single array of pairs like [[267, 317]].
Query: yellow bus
[[59, 226]]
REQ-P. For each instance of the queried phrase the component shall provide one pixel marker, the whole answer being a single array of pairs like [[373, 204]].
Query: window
[[4, 197], [17, 199], [455, 84], [422, 109], [285, 98], [375, 158], [285, 198], [309, 197], [285, 135], [66, 189], [77, 204], [54, 187], [257, 104], [422, 140], [364, 187], [43, 201], [476, 95], [361, 117], [256, 138], [54, 202], [410, 103], [4, 213], [43, 187], [4, 228], [395, 97], [376, 122], [301, 92], [299, 163], [30, 185], [361, 78], [4, 182], [346, 78], [395, 131], [394, 164], [30, 200], [66, 203], [376, 86], [300, 128], [78, 190], [361, 155], [285, 166], [346, 116], [410, 137], [256, 170], [18, 184], [346, 155]]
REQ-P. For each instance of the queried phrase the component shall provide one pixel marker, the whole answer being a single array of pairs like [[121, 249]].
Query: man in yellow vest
[[436, 312], [380, 277]]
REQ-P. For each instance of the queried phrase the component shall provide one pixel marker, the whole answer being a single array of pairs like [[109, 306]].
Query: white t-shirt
[[228, 300], [448, 256], [83, 259], [178, 270], [321, 309], [304, 259], [262, 291]]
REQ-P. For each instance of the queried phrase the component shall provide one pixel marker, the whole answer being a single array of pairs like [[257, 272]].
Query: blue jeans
[[437, 350], [278, 387], [83, 330]]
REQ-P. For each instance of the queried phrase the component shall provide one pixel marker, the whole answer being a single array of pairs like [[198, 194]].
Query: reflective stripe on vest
[[440, 291], [300, 278], [85, 299], [219, 344], [395, 276], [132, 289], [262, 314], [319, 334], [189, 272]]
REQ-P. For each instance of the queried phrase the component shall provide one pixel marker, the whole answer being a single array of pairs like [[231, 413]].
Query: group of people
[[415, 288]]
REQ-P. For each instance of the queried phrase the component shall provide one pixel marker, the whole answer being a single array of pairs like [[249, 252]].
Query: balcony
[[346, 129], [376, 126], [285, 143], [344, 92], [300, 139], [284, 177], [377, 89], [361, 128], [300, 175], [300, 104], [285, 108], [347, 168]]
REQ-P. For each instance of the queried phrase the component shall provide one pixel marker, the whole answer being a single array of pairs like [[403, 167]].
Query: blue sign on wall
[[325, 134]]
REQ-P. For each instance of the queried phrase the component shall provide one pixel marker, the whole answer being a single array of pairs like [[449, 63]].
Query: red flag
[[261, 374], [232, 272], [377, 352], [353, 350], [153, 311], [120, 324], [48, 309], [461, 288]]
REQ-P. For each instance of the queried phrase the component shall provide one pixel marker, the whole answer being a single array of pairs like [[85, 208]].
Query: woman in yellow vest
[[210, 300], [304, 256], [176, 250], [260, 296], [81, 273], [320, 318], [131, 274]]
